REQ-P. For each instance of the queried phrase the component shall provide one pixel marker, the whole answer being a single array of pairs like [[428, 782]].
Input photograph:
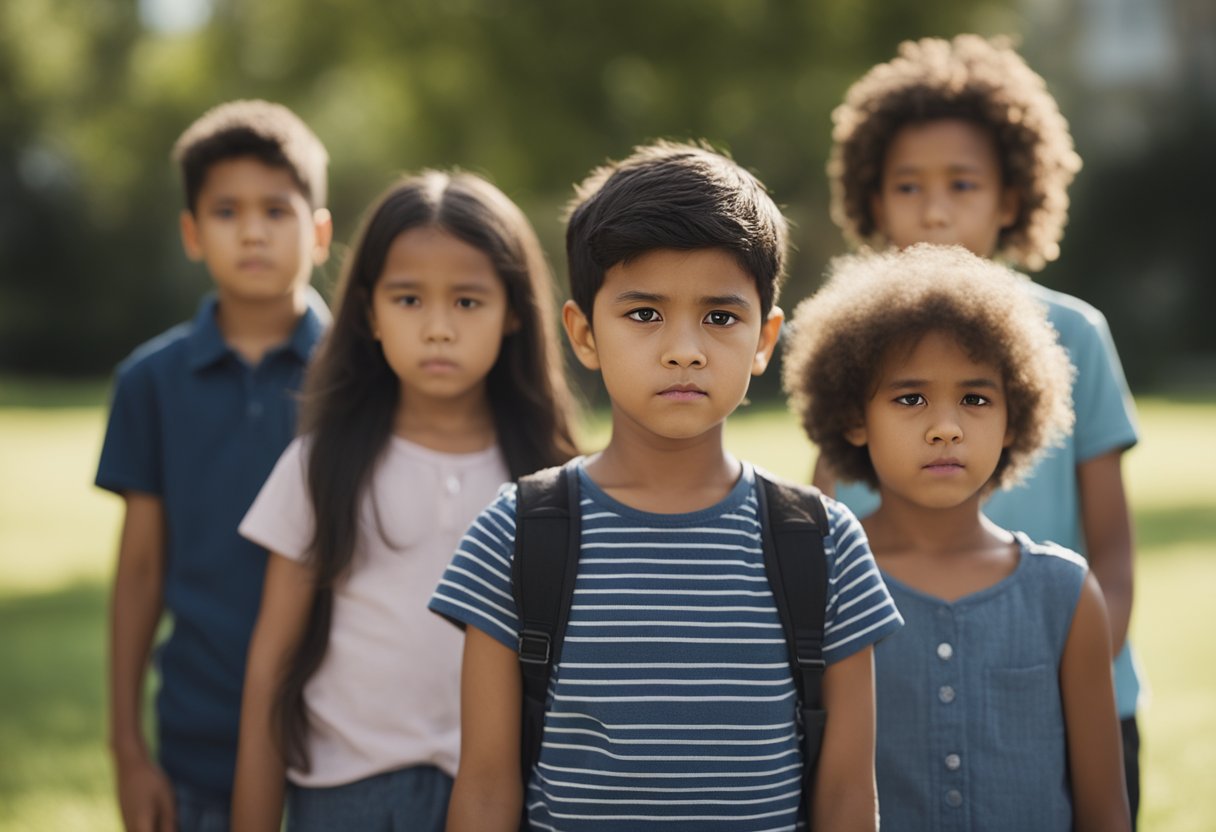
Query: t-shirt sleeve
[[131, 453], [1106, 419], [281, 517], [476, 587], [860, 610]]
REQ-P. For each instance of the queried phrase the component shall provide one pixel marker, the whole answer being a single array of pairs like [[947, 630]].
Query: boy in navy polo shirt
[[199, 417], [672, 703]]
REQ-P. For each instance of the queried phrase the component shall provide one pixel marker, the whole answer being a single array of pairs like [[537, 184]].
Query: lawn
[[57, 536]]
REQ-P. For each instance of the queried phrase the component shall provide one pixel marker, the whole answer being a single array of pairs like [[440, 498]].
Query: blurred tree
[[94, 92]]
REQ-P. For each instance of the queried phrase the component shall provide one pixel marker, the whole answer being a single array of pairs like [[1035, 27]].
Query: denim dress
[[970, 720]]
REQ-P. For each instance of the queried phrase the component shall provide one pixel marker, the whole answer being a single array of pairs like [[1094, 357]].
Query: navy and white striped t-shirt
[[672, 703]]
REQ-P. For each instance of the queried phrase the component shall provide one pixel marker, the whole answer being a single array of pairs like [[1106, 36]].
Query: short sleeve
[[1105, 413], [131, 452], [281, 518], [475, 589], [860, 610]]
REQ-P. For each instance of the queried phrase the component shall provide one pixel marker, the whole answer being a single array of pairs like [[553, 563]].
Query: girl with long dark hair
[[440, 379]]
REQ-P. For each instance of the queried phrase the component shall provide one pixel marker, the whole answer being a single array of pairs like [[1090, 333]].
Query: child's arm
[[1095, 758], [287, 598], [1106, 524], [846, 797], [145, 795], [823, 478], [488, 793]]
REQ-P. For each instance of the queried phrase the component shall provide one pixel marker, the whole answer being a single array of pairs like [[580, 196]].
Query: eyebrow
[[408, 283], [913, 383], [732, 299], [965, 167]]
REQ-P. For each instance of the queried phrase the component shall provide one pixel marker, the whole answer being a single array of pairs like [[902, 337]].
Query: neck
[[899, 526], [458, 424], [665, 476], [254, 327]]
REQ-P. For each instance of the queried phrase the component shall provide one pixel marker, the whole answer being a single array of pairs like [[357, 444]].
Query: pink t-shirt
[[387, 694]]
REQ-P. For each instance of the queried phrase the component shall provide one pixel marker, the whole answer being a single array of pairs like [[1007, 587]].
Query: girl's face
[[936, 424], [941, 183], [440, 312]]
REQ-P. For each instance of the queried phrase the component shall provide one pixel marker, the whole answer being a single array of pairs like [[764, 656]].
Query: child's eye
[[975, 399], [964, 185], [276, 213], [407, 300], [718, 318], [906, 187], [645, 316], [224, 213], [468, 303], [910, 399]]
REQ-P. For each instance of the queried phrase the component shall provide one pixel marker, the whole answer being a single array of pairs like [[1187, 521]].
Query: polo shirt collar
[[311, 326], [207, 344]]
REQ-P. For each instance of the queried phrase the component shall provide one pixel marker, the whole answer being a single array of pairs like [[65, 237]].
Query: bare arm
[[824, 479], [488, 795], [145, 795], [1095, 758], [287, 595], [846, 797], [1107, 526]]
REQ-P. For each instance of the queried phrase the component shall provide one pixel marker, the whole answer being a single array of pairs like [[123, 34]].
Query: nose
[[935, 212], [683, 347], [437, 326], [253, 227], [945, 428]]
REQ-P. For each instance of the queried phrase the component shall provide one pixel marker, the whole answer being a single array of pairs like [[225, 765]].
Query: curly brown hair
[[977, 80], [874, 304]]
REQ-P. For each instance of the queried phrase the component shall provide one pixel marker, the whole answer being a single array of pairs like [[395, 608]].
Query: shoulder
[[1069, 315], [164, 352], [1049, 555]]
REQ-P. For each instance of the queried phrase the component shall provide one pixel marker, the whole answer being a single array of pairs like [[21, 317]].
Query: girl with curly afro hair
[[934, 376], [960, 142]]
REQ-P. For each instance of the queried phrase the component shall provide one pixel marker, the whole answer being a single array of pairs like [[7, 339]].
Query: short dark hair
[[981, 81], [265, 131], [670, 195], [875, 304]]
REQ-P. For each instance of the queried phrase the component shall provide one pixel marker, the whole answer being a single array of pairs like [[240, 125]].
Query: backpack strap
[[794, 524], [542, 580]]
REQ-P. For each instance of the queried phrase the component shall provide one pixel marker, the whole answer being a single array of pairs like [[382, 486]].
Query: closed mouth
[[683, 392], [949, 464]]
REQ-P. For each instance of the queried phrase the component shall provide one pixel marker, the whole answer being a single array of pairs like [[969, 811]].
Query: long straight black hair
[[351, 395]]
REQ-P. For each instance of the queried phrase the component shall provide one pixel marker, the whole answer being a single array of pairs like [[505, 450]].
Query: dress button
[[945, 651], [452, 484], [954, 798], [946, 694], [953, 761]]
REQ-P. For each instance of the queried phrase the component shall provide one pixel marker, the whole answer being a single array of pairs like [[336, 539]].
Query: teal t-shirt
[[1046, 505]]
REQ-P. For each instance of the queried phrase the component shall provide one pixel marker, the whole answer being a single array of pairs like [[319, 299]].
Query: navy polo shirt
[[194, 424]]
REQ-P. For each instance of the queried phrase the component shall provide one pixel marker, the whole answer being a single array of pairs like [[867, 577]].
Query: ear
[[769, 333], [856, 436], [190, 240], [878, 212], [323, 235], [582, 339], [1011, 205], [511, 324]]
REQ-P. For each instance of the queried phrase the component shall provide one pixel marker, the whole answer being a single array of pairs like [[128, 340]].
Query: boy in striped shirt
[[672, 704]]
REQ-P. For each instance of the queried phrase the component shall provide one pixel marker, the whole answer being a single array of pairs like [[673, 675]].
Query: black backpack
[[794, 523]]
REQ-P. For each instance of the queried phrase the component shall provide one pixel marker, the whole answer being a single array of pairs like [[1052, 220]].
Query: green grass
[[58, 533]]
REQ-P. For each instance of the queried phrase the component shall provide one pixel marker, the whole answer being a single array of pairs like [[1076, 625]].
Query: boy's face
[[936, 424], [678, 336], [941, 183], [255, 231]]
